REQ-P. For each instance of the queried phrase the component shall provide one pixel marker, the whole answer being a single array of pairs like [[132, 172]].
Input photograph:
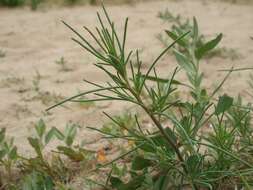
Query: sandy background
[[33, 41]]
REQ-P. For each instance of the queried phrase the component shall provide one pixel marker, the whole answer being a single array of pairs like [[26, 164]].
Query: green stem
[[157, 123]]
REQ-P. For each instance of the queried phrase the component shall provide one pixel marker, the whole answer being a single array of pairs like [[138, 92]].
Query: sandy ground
[[33, 41]]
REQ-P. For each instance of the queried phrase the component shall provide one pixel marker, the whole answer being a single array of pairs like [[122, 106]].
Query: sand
[[33, 41]]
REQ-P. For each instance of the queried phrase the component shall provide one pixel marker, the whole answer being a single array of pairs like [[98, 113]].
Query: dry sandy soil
[[33, 41]]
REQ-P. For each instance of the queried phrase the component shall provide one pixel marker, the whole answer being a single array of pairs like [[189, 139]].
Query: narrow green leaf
[[225, 102], [192, 163], [2, 154], [184, 62], [58, 134], [159, 139], [13, 153], [161, 55], [49, 184], [173, 36], [115, 182], [35, 144], [134, 183], [200, 52], [162, 80], [195, 31], [71, 133], [71, 154], [162, 183], [54, 132], [40, 128], [146, 147], [139, 163]]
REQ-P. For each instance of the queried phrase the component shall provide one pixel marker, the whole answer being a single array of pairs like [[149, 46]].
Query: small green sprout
[[63, 64]]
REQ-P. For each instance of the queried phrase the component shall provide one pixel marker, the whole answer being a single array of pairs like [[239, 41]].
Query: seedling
[[8, 155], [45, 97], [36, 81], [180, 26], [63, 64], [55, 171], [167, 16], [75, 153], [41, 171], [12, 81], [48, 98], [38, 143]]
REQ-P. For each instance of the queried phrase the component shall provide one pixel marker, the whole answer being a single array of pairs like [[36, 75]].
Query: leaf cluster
[[40, 172]]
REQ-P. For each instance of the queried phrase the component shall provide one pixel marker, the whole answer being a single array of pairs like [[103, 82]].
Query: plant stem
[[157, 123], [160, 127]]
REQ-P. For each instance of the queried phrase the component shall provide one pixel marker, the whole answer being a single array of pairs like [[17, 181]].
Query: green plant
[[37, 181], [180, 26], [73, 152], [46, 97], [56, 172], [63, 64], [8, 154], [36, 81], [12, 80], [182, 155], [11, 3], [34, 4], [38, 143], [41, 172]]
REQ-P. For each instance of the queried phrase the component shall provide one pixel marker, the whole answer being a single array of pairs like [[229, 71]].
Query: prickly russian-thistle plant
[[180, 156]]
